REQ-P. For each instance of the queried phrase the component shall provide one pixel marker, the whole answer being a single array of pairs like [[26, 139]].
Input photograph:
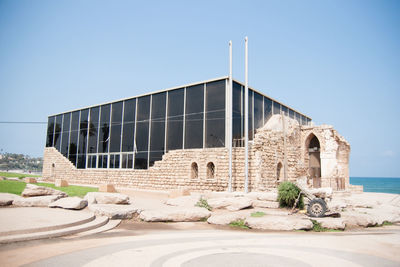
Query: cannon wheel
[[316, 208]]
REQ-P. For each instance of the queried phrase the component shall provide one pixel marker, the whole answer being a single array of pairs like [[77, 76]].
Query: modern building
[[180, 137]]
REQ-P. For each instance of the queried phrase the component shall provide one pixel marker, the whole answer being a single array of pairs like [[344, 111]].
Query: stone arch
[[194, 171], [210, 170], [313, 155]]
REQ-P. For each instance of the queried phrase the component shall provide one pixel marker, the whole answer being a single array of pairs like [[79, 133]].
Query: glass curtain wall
[[136, 132]]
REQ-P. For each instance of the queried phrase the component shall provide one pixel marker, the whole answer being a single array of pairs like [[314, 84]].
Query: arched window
[[194, 173], [210, 170], [279, 171]]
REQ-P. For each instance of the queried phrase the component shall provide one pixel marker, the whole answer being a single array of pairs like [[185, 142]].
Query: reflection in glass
[[277, 108], [157, 137], [215, 114], [57, 132], [267, 109], [93, 129], [50, 132], [251, 115], [175, 119], [237, 126], [258, 111], [116, 124], [104, 130], [129, 125], [194, 116], [142, 131], [65, 134]]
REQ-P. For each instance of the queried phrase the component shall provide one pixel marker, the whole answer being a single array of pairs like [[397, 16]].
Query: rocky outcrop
[[230, 203], [263, 196], [332, 223], [34, 190], [72, 203], [106, 198], [41, 201], [279, 223], [114, 211], [225, 218], [175, 214], [185, 201], [265, 204], [7, 199]]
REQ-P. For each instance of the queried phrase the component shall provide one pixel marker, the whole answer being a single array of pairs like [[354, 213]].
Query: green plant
[[202, 203], [386, 223], [239, 223], [317, 227], [257, 214], [287, 195]]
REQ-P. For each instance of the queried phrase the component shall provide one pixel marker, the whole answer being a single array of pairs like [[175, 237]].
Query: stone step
[[108, 226], [96, 223], [90, 217]]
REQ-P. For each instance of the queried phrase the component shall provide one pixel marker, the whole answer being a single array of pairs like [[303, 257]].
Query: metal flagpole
[[246, 120], [230, 118]]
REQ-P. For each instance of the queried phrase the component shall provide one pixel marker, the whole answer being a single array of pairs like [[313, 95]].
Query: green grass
[[257, 214], [317, 227], [16, 187], [239, 223], [19, 175], [386, 223]]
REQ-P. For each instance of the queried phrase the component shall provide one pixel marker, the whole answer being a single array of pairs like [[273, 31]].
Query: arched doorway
[[314, 150], [279, 172]]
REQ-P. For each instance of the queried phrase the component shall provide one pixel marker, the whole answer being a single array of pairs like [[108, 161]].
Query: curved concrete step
[[96, 223], [89, 218], [108, 226]]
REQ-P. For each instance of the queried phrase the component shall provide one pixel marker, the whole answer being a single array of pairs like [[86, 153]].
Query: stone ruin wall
[[265, 153]]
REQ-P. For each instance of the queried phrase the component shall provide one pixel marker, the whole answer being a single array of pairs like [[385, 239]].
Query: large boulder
[[332, 223], [106, 198], [265, 204], [7, 199], [225, 218], [114, 211], [356, 219], [41, 201], [279, 223], [263, 196], [185, 201], [337, 205], [72, 203], [34, 191], [230, 203], [175, 214]]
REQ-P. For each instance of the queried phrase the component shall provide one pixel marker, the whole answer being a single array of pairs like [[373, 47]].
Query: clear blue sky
[[336, 61]]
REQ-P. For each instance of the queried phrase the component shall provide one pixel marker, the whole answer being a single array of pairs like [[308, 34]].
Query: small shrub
[[287, 195], [202, 203], [386, 223], [257, 214], [239, 223], [317, 227]]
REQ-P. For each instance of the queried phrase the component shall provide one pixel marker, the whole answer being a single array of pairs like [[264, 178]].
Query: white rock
[[280, 223], [354, 219], [34, 190], [175, 214], [74, 203], [114, 211], [7, 199], [332, 223], [336, 205], [323, 192], [106, 198], [225, 218], [231, 203], [264, 196], [185, 201], [265, 204], [42, 201]]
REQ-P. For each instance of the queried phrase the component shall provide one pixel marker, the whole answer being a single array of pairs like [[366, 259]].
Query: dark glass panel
[[50, 132], [129, 125], [291, 113], [251, 115], [303, 120], [194, 116], [267, 109], [73, 139], [237, 131], [130, 161], [258, 111], [92, 161], [65, 134], [104, 129], [57, 132], [116, 123], [81, 162], [116, 161], [277, 108], [93, 129], [298, 118], [83, 130], [124, 161], [111, 164], [175, 119], [215, 114], [157, 138], [141, 160], [142, 124], [100, 163], [285, 111]]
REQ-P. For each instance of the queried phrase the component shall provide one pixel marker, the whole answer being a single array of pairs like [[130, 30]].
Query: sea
[[378, 184]]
